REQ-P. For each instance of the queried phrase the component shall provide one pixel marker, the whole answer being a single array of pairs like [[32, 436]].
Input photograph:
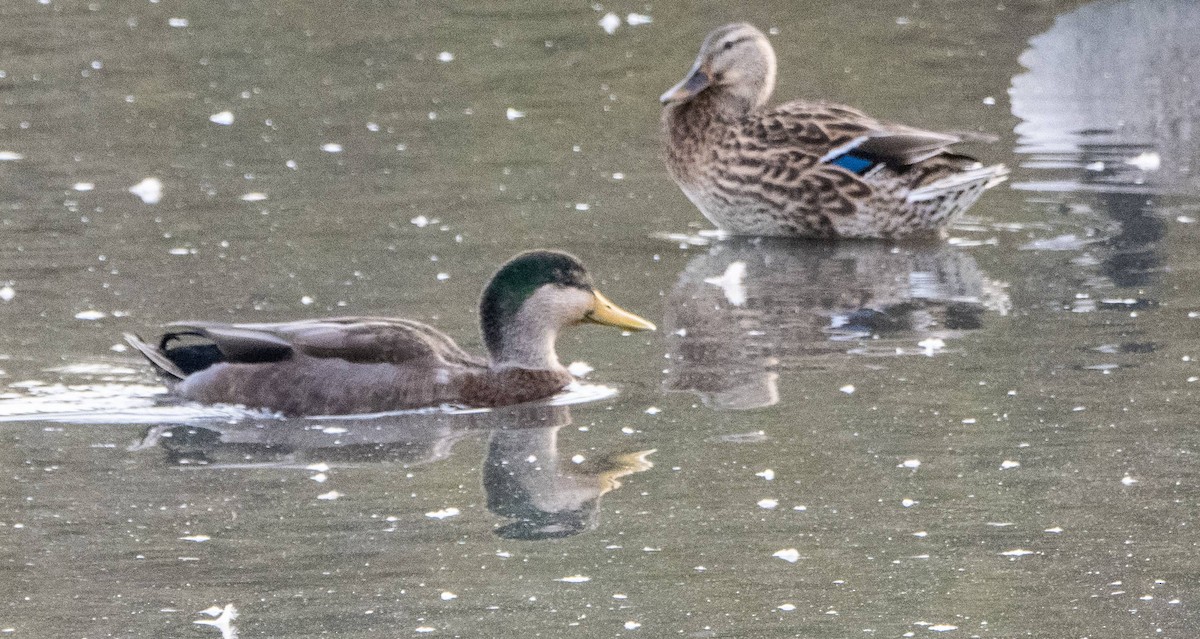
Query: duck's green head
[[736, 66], [538, 293]]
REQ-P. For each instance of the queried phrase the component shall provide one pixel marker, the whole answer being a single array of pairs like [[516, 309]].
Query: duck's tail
[[162, 364], [979, 178]]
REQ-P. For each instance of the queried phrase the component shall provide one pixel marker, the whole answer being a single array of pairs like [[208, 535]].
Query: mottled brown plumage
[[805, 169], [350, 365]]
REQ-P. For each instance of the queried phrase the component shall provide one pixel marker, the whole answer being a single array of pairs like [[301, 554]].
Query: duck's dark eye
[[728, 45]]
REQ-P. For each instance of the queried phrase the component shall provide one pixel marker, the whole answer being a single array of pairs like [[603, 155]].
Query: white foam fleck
[[610, 22], [632, 625], [1148, 161], [254, 197], [83, 186], [790, 555], [7, 293], [911, 463], [445, 56], [513, 114], [90, 316], [448, 596], [1016, 552], [224, 118], [574, 579], [582, 206], [445, 513], [177, 23], [329, 496], [908, 503], [942, 627], [1055, 530], [732, 283], [848, 389], [1009, 463], [767, 474], [635, 19], [320, 478], [787, 607], [196, 538], [768, 503], [1128, 481], [653, 410], [149, 190], [932, 345], [320, 467], [578, 459], [10, 156], [332, 147]]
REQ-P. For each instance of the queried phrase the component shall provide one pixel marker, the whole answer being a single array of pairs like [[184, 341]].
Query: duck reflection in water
[[522, 474], [1109, 107], [748, 309]]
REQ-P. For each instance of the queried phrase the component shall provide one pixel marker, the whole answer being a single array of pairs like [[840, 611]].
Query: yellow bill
[[610, 314]]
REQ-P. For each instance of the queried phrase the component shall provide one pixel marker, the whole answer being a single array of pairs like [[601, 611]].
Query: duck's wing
[[363, 340]]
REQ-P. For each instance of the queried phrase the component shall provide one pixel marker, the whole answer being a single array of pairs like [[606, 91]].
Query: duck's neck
[[695, 125], [526, 338]]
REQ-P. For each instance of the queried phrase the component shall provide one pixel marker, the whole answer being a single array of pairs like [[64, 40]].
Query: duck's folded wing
[[358, 340]]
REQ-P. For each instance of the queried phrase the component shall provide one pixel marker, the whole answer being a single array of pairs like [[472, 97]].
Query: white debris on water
[[1016, 552], [574, 579], [177, 23], [513, 114], [579, 369], [908, 503], [444, 513], [767, 474], [610, 22], [732, 283], [10, 156], [254, 197], [1009, 463], [307, 300], [224, 118], [1148, 161], [442, 277], [90, 316], [786, 607], [932, 345], [320, 467], [445, 56], [83, 186], [848, 389], [578, 459], [942, 627], [448, 596], [768, 503], [632, 625], [1128, 481], [149, 190], [653, 410], [332, 147], [920, 534], [582, 206], [910, 463], [790, 555], [329, 496], [320, 478], [636, 19], [196, 538], [1055, 530], [223, 620], [7, 293]]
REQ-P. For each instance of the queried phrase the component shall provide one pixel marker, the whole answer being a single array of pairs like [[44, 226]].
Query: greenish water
[[991, 436]]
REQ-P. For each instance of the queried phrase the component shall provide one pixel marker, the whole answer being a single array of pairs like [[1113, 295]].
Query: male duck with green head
[[350, 365]]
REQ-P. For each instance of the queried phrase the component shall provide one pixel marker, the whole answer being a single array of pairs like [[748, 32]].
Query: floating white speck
[[618, 176], [90, 316], [731, 283], [177, 23], [1055, 530], [908, 503], [1008, 463], [320, 478], [610, 22], [767, 474], [635, 19], [7, 293], [196, 538], [10, 156], [574, 579], [768, 503], [790, 555], [448, 596], [989, 101], [329, 496], [503, 554], [1148, 161], [1096, 166], [306, 300], [848, 389], [320, 467], [424, 629], [578, 459], [579, 369], [332, 147], [224, 118], [420, 221], [83, 186], [653, 410], [920, 534], [445, 513], [932, 345], [787, 607], [911, 463], [442, 277], [1016, 552], [632, 625], [254, 197], [149, 190], [513, 114], [582, 206], [942, 627], [445, 56], [1127, 480]]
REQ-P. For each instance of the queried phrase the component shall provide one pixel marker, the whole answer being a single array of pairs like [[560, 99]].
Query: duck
[[356, 365], [805, 168]]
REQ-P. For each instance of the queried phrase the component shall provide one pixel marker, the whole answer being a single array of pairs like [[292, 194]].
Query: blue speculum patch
[[853, 163]]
